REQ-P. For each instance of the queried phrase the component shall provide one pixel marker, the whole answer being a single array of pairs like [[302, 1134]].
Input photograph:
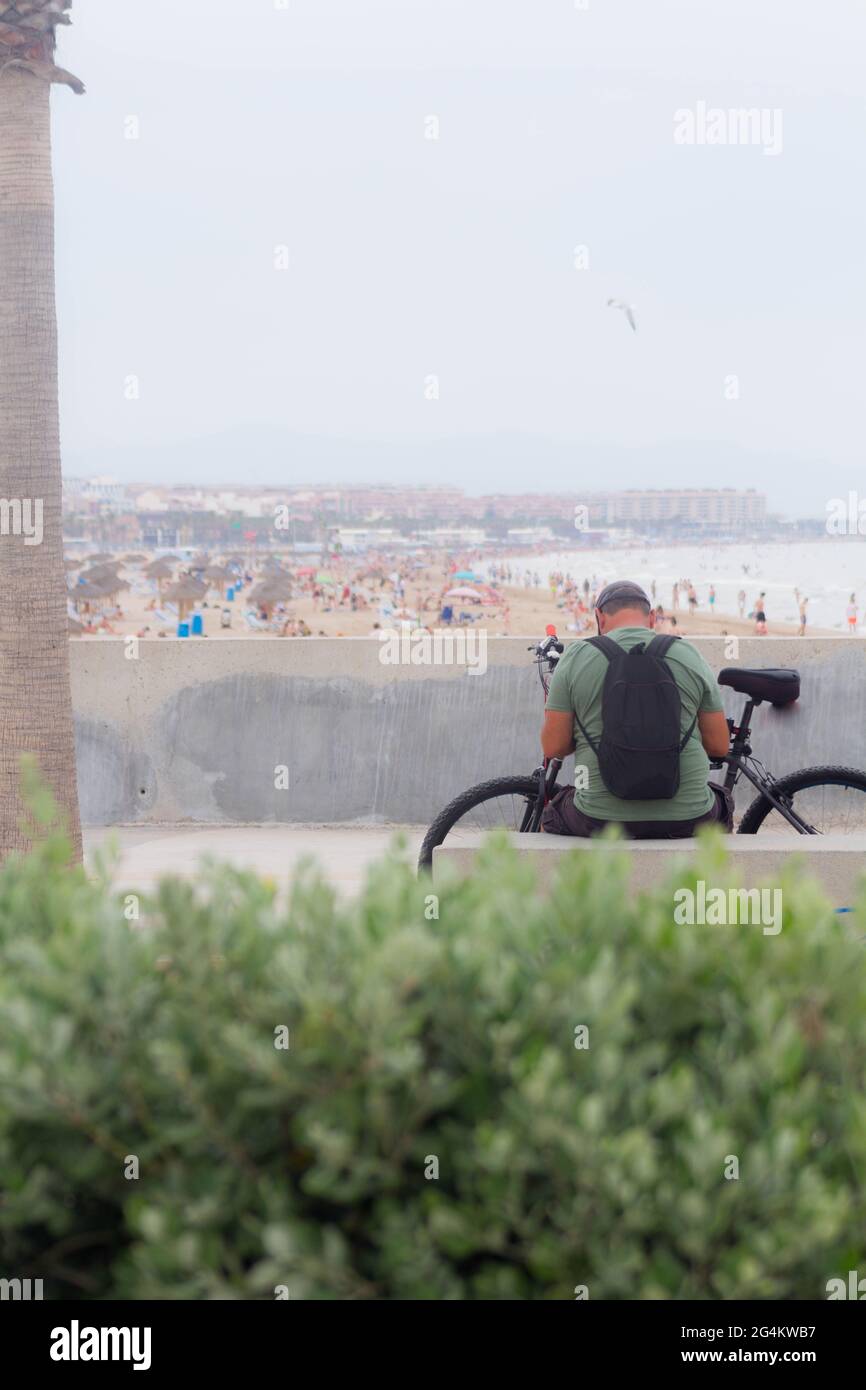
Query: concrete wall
[[192, 730]]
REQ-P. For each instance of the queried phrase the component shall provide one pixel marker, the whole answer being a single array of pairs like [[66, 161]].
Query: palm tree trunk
[[35, 697]]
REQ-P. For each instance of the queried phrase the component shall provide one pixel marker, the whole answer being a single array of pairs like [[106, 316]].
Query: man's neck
[[635, 620]]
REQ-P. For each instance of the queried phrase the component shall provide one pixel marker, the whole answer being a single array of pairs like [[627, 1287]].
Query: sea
[[826, 572]]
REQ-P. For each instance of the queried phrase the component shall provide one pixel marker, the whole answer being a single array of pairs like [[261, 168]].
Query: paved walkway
[[147, 853]]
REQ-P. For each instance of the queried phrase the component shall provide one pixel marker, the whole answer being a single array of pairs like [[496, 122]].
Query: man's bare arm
[[557, 735], [713, 728]]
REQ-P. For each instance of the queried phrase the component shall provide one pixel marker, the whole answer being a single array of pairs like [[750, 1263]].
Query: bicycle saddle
[[773, 683]]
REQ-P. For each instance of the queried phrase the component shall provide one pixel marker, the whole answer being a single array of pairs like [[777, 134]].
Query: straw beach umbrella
[[97, 585], [272, 591], [217, 577], [160, 571], [186, 593], [112, 584], [89, 594], [97, 572]]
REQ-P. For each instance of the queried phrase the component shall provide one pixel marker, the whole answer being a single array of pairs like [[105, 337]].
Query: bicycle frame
[[741, 762], [545, 776], [547, 654]]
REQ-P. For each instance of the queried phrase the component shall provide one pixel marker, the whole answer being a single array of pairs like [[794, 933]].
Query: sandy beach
[[362, 595]]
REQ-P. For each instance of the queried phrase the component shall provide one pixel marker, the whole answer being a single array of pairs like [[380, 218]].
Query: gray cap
[[622, 591]]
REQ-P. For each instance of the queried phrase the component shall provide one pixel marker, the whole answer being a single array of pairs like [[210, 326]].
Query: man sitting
[[573, 722]]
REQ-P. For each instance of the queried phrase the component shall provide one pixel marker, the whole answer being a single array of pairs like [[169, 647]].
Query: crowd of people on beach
[[578, 598], [425, 588]]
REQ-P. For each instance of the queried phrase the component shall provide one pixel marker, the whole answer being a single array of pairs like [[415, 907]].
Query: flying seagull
[[628, 310]]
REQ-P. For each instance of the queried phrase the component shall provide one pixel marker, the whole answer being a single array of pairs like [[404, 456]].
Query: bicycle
[[517, 803]]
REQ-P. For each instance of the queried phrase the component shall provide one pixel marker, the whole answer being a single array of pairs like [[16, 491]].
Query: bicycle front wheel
[[505, 803], [832, 800]]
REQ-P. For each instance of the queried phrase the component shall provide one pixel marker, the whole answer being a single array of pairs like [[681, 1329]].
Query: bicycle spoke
[[498, 813], [828, 809]]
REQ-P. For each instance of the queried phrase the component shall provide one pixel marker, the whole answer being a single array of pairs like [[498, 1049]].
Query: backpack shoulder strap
[[611, 651], [661, 644], [606, 645], [659, 647]]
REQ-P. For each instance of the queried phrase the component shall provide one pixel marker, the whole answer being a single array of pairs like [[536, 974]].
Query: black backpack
[[639, 752]]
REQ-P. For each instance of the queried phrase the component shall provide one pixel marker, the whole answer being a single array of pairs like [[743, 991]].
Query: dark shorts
[[561, 817]]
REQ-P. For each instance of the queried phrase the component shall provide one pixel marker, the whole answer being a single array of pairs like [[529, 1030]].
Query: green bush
[[413, 1040]]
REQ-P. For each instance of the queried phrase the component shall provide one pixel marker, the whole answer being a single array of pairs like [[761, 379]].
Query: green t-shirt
[[576, 687]]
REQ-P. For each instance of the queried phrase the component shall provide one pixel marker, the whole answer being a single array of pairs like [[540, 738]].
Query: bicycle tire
[[806, 778], [467, 801]]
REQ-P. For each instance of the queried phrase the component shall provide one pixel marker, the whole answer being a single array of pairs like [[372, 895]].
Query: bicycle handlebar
[[550, 644], [547, 653]]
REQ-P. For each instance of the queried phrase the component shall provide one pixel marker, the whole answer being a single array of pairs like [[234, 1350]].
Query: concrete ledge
[[838, 862]]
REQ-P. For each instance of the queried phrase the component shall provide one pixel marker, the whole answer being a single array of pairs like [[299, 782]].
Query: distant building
[[379, 515], [96, 496], [727, 508], [461, 537], [529, 535], [355, 539], [151, 501]]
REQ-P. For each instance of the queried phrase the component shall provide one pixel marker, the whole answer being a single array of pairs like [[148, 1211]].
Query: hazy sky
[[304, 126]]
